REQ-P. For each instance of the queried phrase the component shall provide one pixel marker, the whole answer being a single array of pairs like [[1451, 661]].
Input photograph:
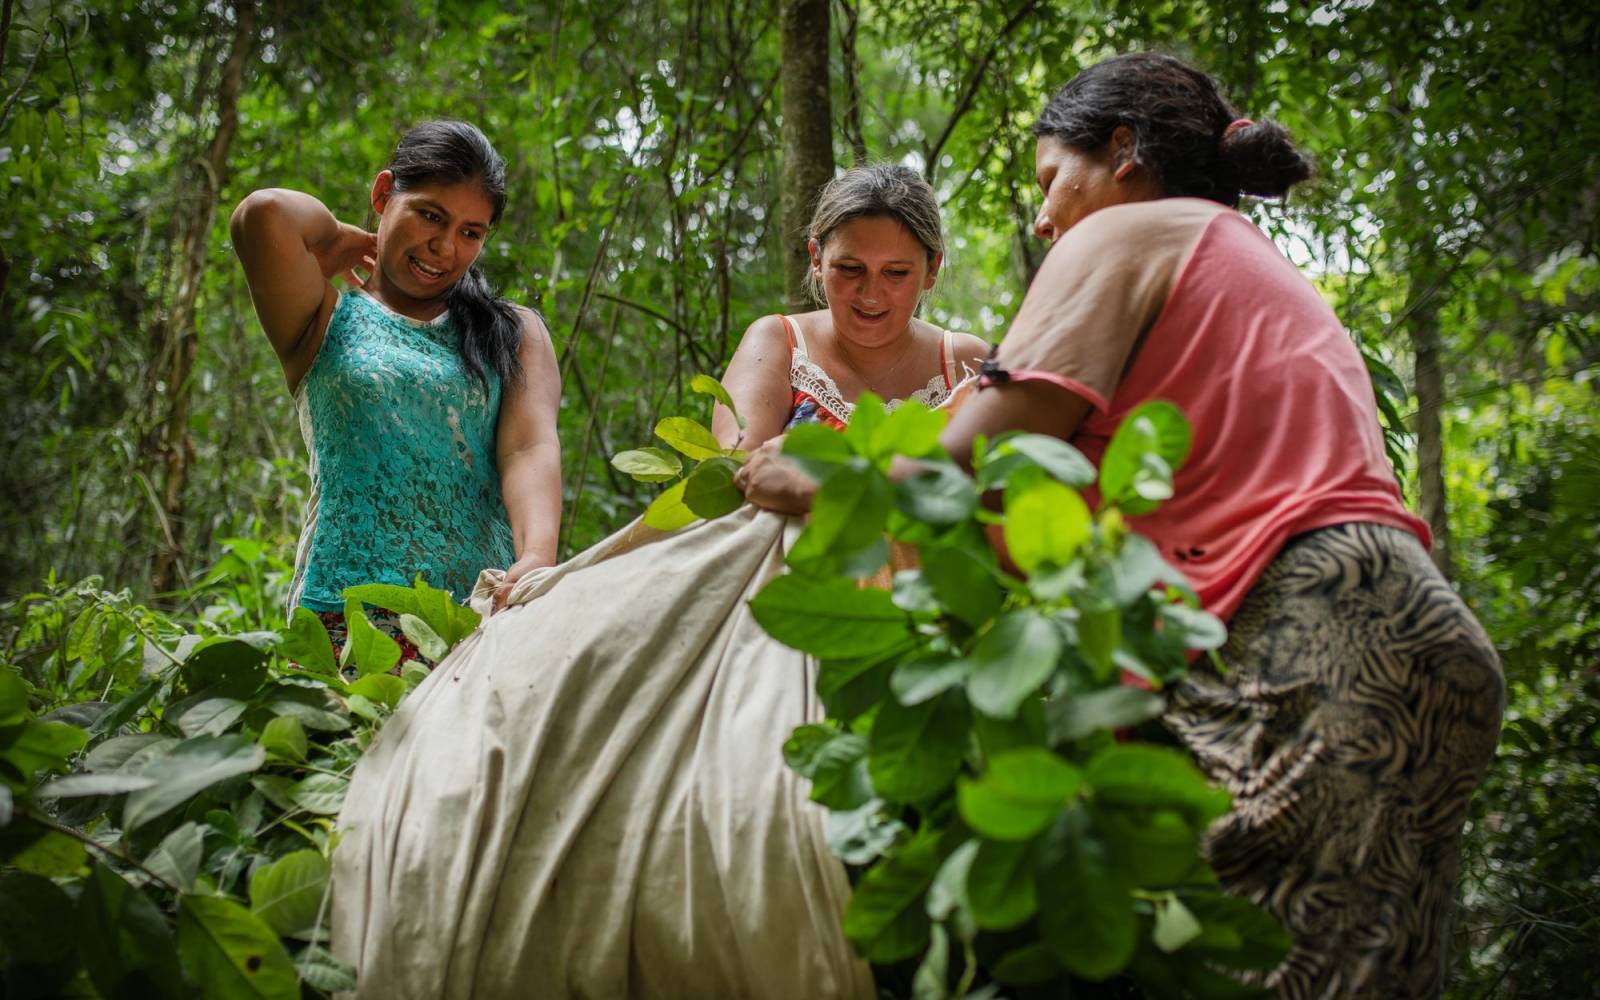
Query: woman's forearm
[[530, 484]]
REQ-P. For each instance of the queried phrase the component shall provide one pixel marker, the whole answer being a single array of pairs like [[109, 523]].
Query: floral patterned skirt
[[384, 621]]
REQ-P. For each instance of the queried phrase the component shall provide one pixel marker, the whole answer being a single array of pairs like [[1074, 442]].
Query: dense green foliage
[[1453, 225]]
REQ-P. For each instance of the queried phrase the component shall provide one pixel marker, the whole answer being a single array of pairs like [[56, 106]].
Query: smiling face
[[872, 270], [427, 236]]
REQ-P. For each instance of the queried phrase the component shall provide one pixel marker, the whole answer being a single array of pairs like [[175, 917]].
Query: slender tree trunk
[[807, 132], [179, 341], [1425, 344]]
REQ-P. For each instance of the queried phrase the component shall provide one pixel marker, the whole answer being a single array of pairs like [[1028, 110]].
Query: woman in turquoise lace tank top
[[428, 404]]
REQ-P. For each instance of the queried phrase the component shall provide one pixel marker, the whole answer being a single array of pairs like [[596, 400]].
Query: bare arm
[[529, 453], [290, 246], [758, 380]]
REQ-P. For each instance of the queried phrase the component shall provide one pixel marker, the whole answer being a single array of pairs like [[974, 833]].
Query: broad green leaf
[[887, 918], [834, 761], [804, 745], [1011, 661], [648, 465], [1073, 717], [1086, 915], [964, 583], [287, 894], [78, 785], [938, 494], [1156, 429], [1000, 885], [915, 751], [52, 854], [177, 858], [13, 698], [125, 709], [119, 751], [915, 681], [1138, 568], [233, 952], [689, 437], [1199, 629], [306, 642], [285, 737], [708, 386], [186, 770], [667, 512], [230, 666], [1060, 459], [1150, 847], [851, 687], [1046, 524], [947, 893], [382, 689], [709, 490], [428, 642], [1099, 635], [125, 941], [320, 793], [1142, 775], [1019, 795], [847, 515], [37, 923], [35, 746], [318, 967], [817, 449], [858, 836], [868, 416], [211, 717], [450, 620], [366, 647], [829, 618], [1027, 966], [315, 709], [911, 430]]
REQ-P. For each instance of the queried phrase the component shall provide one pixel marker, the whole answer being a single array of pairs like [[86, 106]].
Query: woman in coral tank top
[[1361, 701]]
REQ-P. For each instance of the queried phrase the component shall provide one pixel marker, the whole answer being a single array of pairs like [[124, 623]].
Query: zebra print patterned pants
[[1360, 708]]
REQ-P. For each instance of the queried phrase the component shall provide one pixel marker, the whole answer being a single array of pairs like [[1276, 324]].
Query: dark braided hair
[[455, 152], [1180, 122]]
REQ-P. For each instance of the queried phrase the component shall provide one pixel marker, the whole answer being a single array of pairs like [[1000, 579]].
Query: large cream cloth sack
[[588, 798]]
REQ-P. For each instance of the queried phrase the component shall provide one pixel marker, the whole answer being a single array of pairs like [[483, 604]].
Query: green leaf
[[829, 618], [230, 666], [287, 894], [887, 918], [933, 972], [947, 893], [1136, 775], [1073, 717], [1150, 847], [1046, 524], [382, 689], [847, 515], [1158, 430], [306, 642], [126, 943], [938, 494], [689, 437], [912, 430], [78, 785], [37, 924], [320, 793], [1175, 925], [428, 642], [1019, 795], [285, 737], [1000, 885], [868, 416], [964, 583], [1086, 915], [211, 717], [1027, 966], [177, 858], [915, 681], [1199, 629], [915, 751], [186, 770], [708, 386], [1255, 939], [29, 847], [233, 952], [1137, 568], [1058, 458], [1011, 661], [667, 512], [1099, 635], [318, 967], [13, 698], [648, 465], [366, 646], [834, 761], [315, 709], [709, 490], [36, 746], [817, 449]]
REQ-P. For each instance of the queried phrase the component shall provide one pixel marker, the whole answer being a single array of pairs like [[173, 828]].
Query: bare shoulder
[[766, 332], [969, 347]]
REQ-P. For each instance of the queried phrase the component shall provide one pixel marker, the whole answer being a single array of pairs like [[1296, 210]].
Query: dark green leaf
[[233, 951], [831, 618], [887, 918], [847, 515], [366, 647], [1138, 775], [938, 494], [177, 858], [1255, 939], [915, 751], [230, 666], [285, 737], [76, 785], [858, 836], [915, 681], [287, 894], [1019, 795], [125, 941], [1011, 661], [187, 769], [964, 583], [1060, 459], [1086, 915], [306, 642], [1073, 717], [1000, 885]]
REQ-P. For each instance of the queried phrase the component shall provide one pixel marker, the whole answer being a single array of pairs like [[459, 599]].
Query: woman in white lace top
[[876, 246]]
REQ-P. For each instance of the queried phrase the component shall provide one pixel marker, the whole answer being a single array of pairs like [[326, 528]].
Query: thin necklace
[[866, 384]]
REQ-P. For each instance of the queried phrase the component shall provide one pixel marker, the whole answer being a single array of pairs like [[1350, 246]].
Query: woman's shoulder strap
[[795, 338]]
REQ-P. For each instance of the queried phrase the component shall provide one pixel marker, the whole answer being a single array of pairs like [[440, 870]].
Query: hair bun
[[1259, 158]]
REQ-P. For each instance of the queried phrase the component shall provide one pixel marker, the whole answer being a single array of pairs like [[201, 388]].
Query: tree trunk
[[1430, 432], [807, 132], [178, 340]]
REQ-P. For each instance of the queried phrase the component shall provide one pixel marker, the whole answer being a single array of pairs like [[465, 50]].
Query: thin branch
[[5, 112], [88, 841], [5, 33], [931, 158], [852, 82], [640, 307]]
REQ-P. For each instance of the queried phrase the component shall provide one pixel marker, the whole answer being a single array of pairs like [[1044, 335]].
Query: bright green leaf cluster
[[707, 490]]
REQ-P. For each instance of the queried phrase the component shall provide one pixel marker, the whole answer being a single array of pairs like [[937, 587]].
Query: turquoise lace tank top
[[403, 474]]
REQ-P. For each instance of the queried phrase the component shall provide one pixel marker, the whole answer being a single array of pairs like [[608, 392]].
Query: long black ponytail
[[455, 152]]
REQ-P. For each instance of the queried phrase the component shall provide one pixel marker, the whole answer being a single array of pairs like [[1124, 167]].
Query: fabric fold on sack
[[588, 797]]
